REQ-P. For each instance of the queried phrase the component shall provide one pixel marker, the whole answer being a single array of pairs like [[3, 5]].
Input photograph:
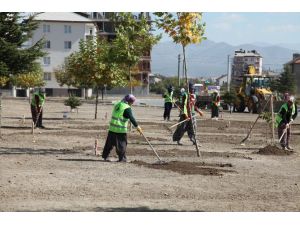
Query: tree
[[184, 28], [132, 40], [15, 31], [64, 76], [286, 82], [29, 80], [93, 66]]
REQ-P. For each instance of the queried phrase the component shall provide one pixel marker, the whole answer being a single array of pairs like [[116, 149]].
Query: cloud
[[227, 20], [283, 28]]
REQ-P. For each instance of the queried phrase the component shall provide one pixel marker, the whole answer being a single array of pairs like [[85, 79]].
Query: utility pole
[[228, 74], [178, 70]]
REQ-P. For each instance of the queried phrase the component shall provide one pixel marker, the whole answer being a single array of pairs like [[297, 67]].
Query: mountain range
[[210, 59]]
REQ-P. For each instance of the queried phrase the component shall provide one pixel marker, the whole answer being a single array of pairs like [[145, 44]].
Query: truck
[[203, 94]]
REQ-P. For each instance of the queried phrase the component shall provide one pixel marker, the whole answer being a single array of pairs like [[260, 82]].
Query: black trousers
[[118, 140], [38, 122], [285, 141], [214, 111], [168, 108], [185, 127]]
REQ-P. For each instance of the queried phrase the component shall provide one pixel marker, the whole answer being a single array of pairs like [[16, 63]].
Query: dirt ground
[[56, 168]]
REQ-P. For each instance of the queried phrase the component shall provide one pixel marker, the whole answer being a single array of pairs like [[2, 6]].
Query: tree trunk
[[96, 106], [184, 68], [29, 99], [0, 114], [102, 93], [130, 79], [188, 91]]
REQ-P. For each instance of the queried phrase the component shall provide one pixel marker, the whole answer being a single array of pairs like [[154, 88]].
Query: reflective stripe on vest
[[185, 103], [168, 97], [118, 123], [192, 103], [41, 98], [278, 116]]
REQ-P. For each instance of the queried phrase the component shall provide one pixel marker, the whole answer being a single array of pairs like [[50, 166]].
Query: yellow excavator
[[253, 91]]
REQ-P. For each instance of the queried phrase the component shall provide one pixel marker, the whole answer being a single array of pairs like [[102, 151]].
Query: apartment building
[[241, 61], [295, 67], [62, 32]]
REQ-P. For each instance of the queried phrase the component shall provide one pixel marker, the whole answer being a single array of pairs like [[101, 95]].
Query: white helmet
[[182, 90]]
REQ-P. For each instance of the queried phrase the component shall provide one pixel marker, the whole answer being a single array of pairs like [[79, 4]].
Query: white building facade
[[62, 33]]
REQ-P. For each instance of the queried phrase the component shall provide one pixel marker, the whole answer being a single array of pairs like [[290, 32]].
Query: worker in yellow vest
[[168, 96], [287, 113], [37, 104], [188, 106], [117, 134]]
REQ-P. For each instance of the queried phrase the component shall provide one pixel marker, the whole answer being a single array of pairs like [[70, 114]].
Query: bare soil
[[56, 168], [273, 150]]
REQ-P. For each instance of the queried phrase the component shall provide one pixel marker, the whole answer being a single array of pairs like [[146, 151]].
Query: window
[[68, 29], [46, 28], [47, 76], [46, 60], [91, 31], [68, 44], [47, 44]]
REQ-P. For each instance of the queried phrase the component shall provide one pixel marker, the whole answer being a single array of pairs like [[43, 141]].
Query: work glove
[[139, 129]]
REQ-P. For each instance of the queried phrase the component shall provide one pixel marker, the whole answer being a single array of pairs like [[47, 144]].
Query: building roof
[[243, 53], [294, 61], [251, 54], [63, 17], [225, 75]]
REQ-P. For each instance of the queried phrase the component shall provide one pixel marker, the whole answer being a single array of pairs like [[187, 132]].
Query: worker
[[284, 118], [215, 103], [37, 105], [168, 96], [117, 134], [188, 106]]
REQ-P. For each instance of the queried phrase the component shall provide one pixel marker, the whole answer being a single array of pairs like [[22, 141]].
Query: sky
[[249, 27], [232, 21], [239, 28]]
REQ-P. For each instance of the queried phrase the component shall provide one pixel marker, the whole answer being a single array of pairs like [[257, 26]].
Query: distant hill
[[210, 58]]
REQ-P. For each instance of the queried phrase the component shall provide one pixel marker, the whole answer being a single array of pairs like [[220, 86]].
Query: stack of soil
[[273, 150]]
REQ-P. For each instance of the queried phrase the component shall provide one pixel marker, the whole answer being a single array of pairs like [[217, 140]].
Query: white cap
[[182, 90], [291, 98]]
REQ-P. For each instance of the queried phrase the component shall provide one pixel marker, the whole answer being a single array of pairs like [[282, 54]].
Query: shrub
[[73, 102]]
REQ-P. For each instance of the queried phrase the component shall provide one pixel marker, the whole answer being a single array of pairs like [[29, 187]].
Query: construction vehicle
[[253, 91], [203, 94]]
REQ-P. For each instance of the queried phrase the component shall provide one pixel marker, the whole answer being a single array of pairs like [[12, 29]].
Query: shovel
[[159, 159], [243, 141], [285, 130]]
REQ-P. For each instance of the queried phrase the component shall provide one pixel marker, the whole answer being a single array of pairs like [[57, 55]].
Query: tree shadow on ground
[[30, 151], [84, 160], [136, 209], [113, 209], [246, 148], [28, 128]]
